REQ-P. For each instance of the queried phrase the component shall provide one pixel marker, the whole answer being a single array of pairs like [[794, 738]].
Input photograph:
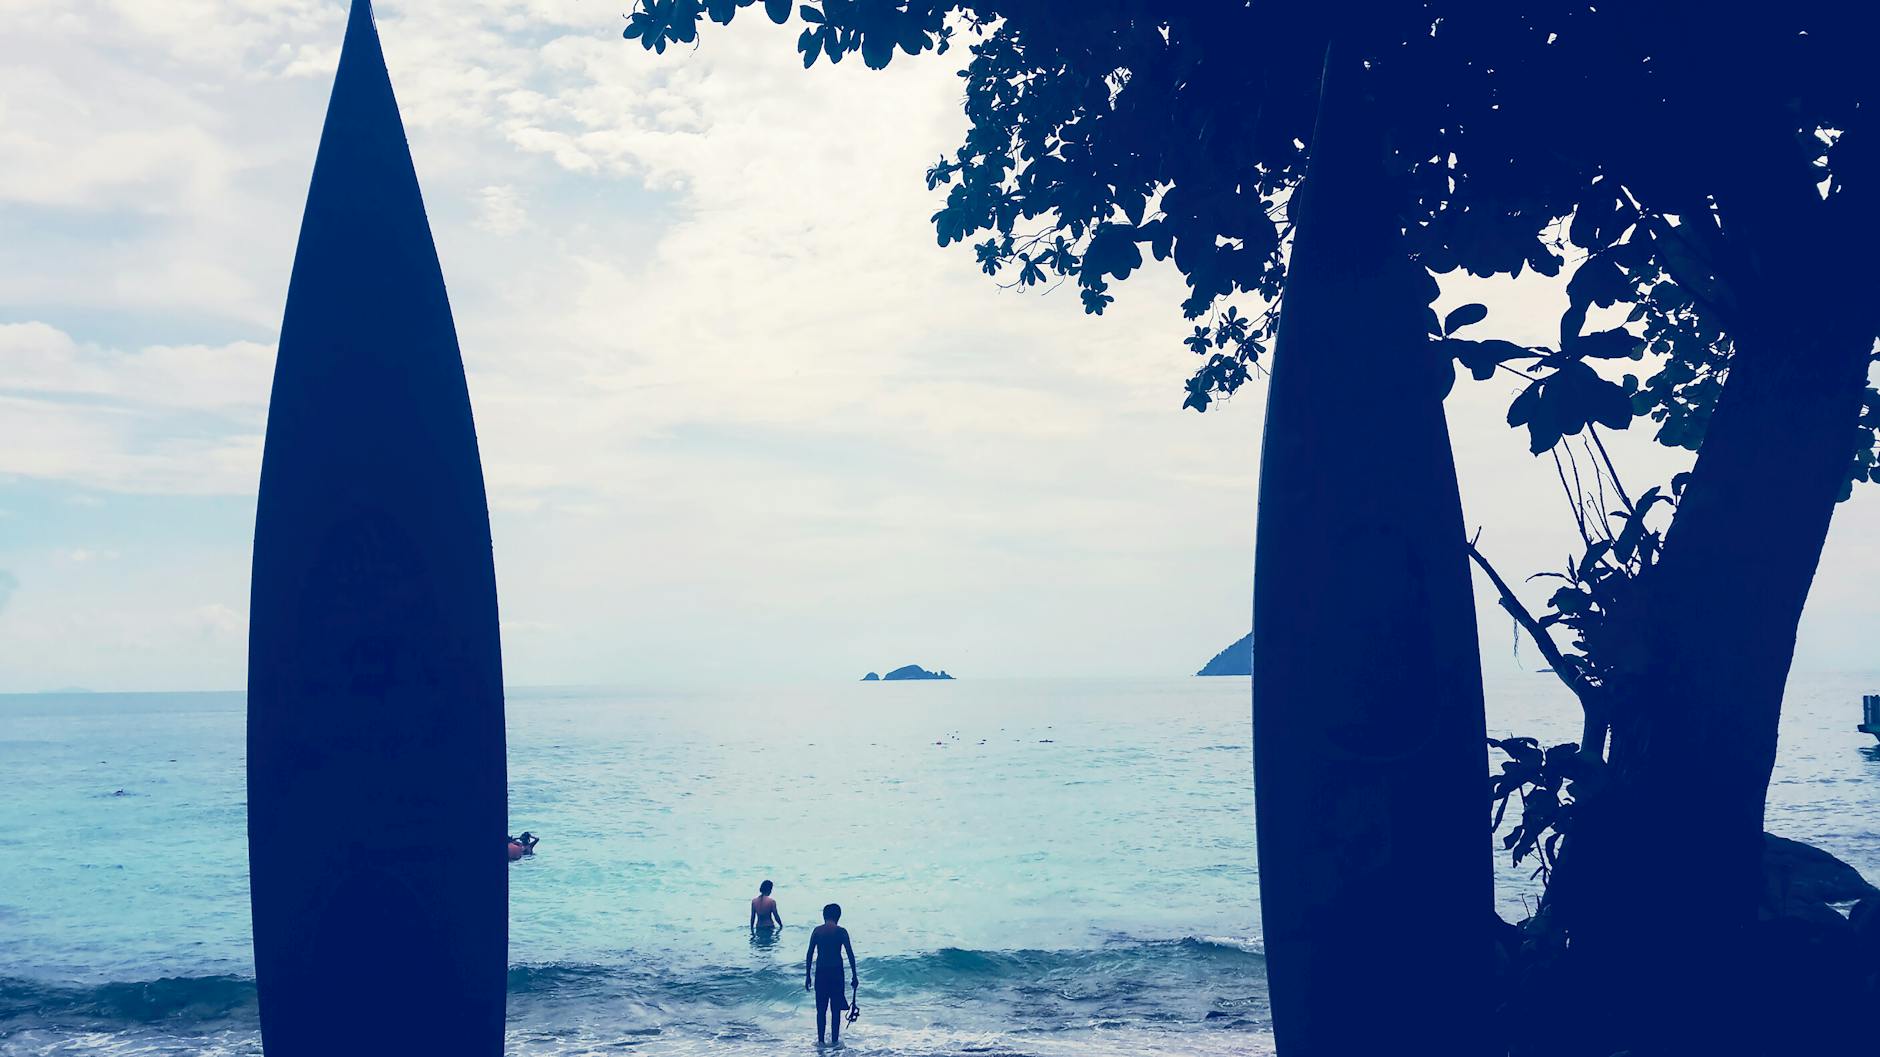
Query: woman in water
[[764, 916]]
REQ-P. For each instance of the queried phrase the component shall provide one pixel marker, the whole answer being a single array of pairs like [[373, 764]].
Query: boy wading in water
[[764, 916], [823, 964]]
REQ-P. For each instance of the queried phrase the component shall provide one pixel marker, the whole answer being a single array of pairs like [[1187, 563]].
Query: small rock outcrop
[[1798, 876], [1234, 660], [871, 677], [913, 671]]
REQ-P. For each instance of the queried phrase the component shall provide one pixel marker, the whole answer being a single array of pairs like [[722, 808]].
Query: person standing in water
[[764, 916], [823, 965]]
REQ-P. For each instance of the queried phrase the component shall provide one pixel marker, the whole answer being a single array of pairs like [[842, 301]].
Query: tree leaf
[[1482, 357], [1614, 344], [1462, 317]]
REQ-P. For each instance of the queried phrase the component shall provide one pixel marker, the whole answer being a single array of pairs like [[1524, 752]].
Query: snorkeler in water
[[764, 916], [823, 966]]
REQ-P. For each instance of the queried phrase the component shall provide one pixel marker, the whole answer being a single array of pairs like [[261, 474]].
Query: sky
[[741, 418]]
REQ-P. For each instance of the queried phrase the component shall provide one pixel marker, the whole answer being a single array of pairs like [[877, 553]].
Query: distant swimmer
[[520, 846], [764, 916], [823, 966]]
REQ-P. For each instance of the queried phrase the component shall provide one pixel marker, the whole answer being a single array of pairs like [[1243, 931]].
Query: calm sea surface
[[1026, 866]]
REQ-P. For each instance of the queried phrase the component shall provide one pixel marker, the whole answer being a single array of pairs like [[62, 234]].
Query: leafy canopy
[[1689, 189]]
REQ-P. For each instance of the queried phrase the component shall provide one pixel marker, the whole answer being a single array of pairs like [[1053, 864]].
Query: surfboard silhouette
[[1376, 882], [376, 782]]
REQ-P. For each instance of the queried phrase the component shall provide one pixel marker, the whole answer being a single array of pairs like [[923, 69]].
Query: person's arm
[[776, 916], [854, 977], [753, 918], [809, 959]]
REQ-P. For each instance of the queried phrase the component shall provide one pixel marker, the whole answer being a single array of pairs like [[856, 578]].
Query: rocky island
[[1234, 660], [906, 671]]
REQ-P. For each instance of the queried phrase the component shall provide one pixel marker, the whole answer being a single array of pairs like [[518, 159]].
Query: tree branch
[[1611, 470], [1593, 730], [1574, 501], [1713, 295], [1599, 483]]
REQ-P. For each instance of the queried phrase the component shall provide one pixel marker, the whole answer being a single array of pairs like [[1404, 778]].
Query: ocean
[[1026, 866]]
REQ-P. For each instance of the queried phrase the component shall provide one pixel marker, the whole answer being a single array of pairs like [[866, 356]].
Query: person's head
[[527, 836], [764, 889], [832, 913]]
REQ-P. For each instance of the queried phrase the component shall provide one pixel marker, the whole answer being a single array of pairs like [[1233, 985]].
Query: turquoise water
[[1026, 866]]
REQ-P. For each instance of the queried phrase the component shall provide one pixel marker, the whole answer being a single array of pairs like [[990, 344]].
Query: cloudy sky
[[740, 416]]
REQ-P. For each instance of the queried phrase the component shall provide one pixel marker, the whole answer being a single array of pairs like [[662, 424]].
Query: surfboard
[[1368, 733], [376, 781]]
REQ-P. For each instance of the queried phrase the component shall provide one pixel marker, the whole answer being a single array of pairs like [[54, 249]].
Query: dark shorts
[[831, 995]]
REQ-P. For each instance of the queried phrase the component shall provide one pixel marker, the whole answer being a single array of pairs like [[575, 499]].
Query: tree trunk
[[1369, 752], [1666, 869]]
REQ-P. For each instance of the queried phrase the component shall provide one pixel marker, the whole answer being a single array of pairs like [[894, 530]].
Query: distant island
[[1234, 660], [908, 671]]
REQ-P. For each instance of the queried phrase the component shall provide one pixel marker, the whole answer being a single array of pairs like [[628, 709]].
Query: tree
[[1732, 205], [1718, 170]]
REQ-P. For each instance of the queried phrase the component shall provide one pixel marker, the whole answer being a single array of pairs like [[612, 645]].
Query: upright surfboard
[[1376, 882], [376, 784]]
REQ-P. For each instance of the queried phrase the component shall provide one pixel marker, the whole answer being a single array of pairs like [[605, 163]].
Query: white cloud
[[734, 404], [37, 358], [88, 554], [164, 418], [500, 210], [216, 621]]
